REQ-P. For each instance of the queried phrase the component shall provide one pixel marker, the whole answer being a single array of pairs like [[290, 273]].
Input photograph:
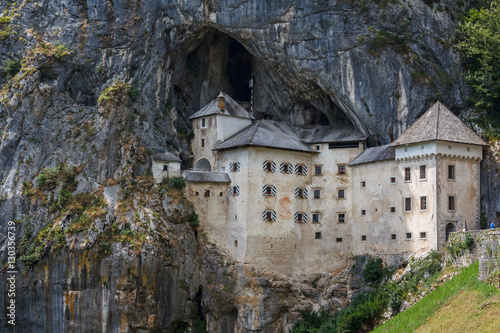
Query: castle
[[297, 201]]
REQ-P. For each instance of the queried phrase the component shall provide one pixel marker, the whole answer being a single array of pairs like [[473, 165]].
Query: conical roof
[[439, 123], [231, 108]]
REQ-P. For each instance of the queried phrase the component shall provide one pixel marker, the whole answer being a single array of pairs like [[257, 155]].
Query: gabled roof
[[204, 176], [439, 123], [166, 157], [266, 133], [320, 134], [231, 108], [374, 154]]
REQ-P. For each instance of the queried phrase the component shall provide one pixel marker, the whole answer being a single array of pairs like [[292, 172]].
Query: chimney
[[221, 100]]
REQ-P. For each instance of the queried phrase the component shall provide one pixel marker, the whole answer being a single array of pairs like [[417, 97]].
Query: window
[[408, 235], [165, 167], [393, 236], [300, 169], [341, 170], [363, 212], [423, 235], [315, 218], [341, 217], [300, 217], [221, 194], [318, 147], [317, 193], [423, 203], [203, 122], [451, 203], [343, 145], [407, 204], [301, 193], [363, 237], [423, 172], [197, 193], [269, 190], [317, 235], [451, 172], [234, 190], [362, 184], [341, 194], [285, 168], [317, 170], [393, 180], [202, 142], [269, 166], [338, 240], [234, 167], [207, 193], [392, 209], [269, 215], [407, 174]]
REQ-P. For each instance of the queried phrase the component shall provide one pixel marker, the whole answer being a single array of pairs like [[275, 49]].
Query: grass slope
[[475, 308]]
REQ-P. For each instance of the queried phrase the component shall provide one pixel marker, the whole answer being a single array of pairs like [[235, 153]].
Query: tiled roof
[[167, 157], [438, 123], [231, 108], [266, 133], [374, 154], [320, 134], [204, 176]]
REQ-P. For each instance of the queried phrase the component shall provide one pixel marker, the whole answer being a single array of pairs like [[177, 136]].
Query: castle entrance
[[450, 227]]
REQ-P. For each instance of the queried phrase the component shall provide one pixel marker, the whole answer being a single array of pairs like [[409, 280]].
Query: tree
[[480, 48]]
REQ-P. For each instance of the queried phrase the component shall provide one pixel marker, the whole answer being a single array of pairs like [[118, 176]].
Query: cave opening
[[239, 70]]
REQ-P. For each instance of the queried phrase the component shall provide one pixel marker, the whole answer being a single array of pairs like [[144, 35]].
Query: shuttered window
[[285, 168], [269, 166], [300, 169], [301, 217], [269, 215], [234, 167], [269, 190], [301, 193], [234, 190]]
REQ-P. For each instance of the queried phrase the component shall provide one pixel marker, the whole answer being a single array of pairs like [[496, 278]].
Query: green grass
[[417, 315]]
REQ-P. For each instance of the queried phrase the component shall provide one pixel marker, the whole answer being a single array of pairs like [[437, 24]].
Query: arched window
[[203, 165]]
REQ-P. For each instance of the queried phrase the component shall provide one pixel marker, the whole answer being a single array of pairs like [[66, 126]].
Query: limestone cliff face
[[137, 70]]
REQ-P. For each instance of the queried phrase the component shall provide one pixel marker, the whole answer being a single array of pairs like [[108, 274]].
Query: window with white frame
[[269, 166], [269, 190], [234, 190], [423, 235], [301, 193], [451, 203], [234, 167], [341, 217], [285, 168], [393, 236], [316, 217], [301, 169], [341, 169], [423, 172], [408, 174], [269, 215], [408, 235], [300, 217], [317, 193], [423, 203], [408, 204]]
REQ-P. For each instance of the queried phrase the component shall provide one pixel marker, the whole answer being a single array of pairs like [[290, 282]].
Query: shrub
[[11, 67], [48, 178], [133, 93], [178, 183], [373, 271]]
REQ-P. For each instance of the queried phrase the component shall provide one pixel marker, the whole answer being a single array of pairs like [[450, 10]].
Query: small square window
[[451, 203], [341, 217], [363, 184], [393, 236], [338, 240], [363, 212], [315, 218], [317, 235], [317, 194], [363, 237], [393, 209], [300, 217], [423, 172], [423, 235], [408, 235], [341, 169], [423, 203], [393, 180], [285, 168], [202, 143], [220, 194], [318, 147], [451, 172], [300, 170], [300, 193], [318, 170], [269, 166], [207, 193], [165, 167], [407, 204], [197, 193], [341, 194], [407, 174], [269, 216]]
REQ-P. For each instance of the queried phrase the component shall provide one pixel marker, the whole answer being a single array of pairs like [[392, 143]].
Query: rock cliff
[[104, 84]]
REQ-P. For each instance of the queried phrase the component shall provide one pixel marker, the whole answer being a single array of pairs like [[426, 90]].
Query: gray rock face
[[154, 63]]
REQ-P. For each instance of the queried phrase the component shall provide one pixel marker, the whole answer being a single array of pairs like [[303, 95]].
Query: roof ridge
[[255, 132], [437, 119]]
